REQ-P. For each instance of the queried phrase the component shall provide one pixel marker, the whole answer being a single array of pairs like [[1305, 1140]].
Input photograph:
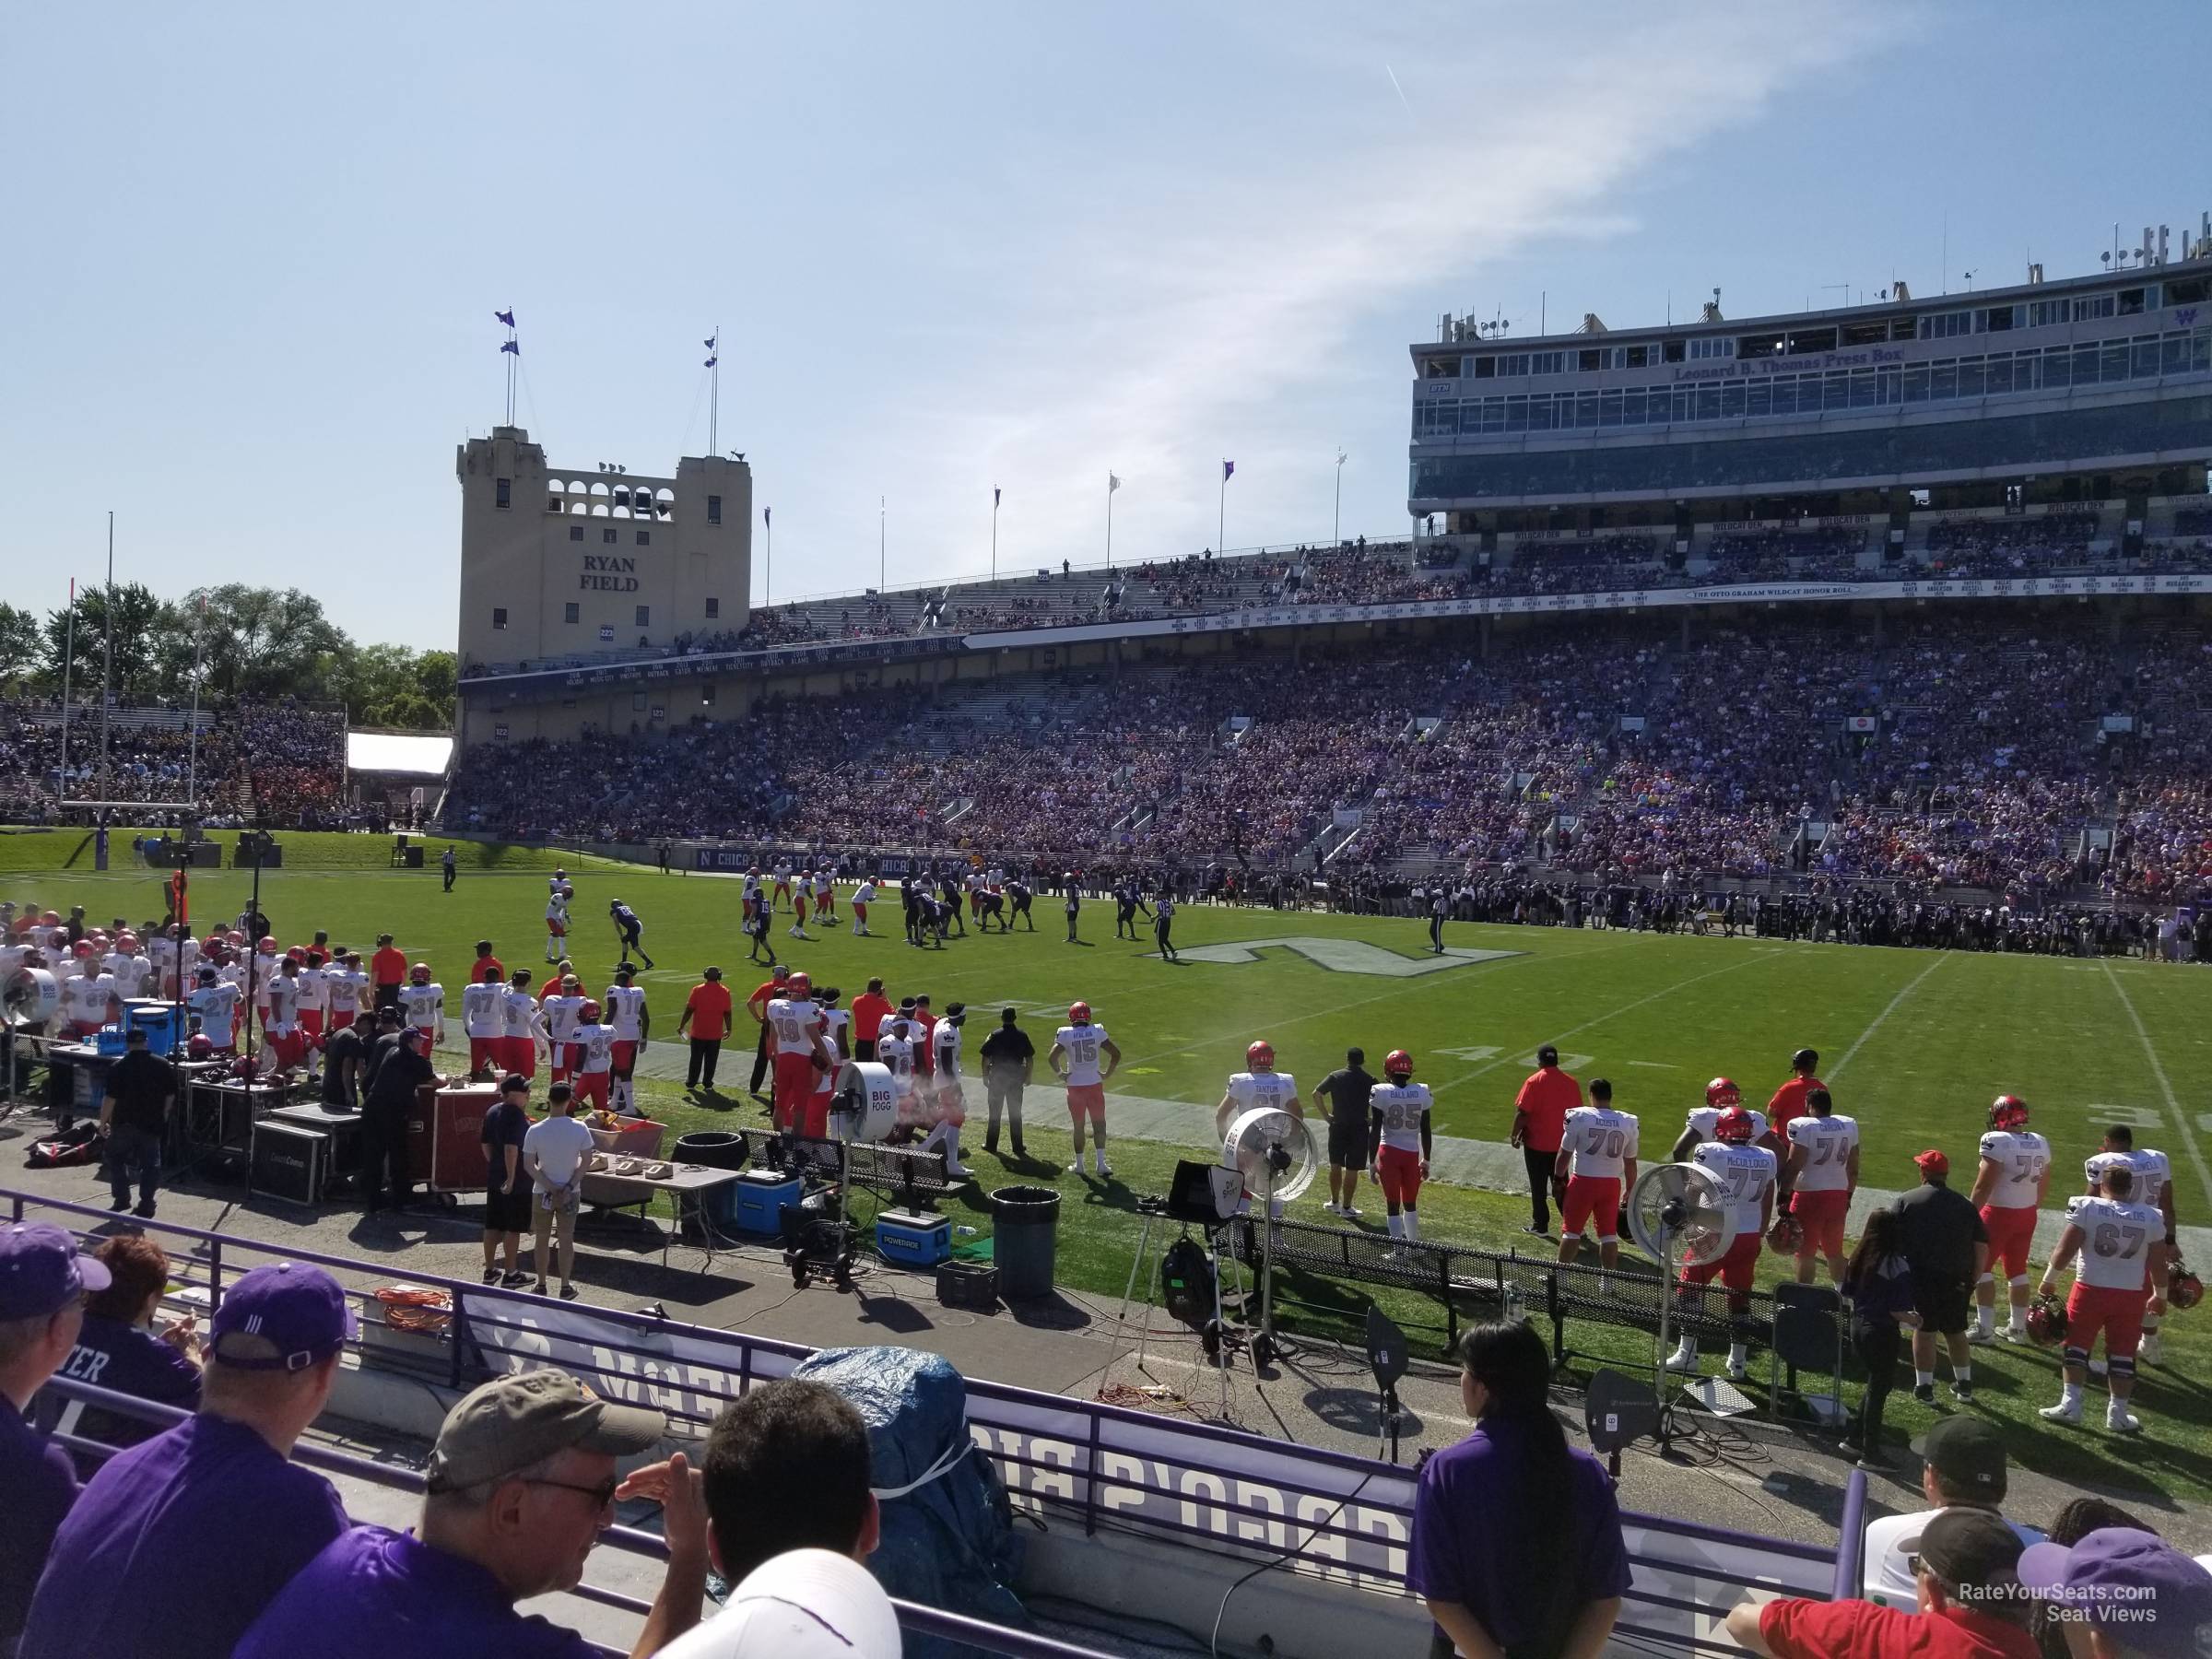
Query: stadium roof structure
[[402, 754]]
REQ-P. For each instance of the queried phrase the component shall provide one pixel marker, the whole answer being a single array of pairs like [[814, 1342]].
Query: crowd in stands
[[282, 761], [1986, 766]]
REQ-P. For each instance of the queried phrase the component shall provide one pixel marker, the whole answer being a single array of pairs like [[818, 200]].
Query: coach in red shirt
[[1539, 1122], [387, 971], [1788, 1101], [870, 1009], [1972, 1605]]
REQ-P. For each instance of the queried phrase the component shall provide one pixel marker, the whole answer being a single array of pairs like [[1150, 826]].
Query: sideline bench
[[906, 1172], [1486, 1280]]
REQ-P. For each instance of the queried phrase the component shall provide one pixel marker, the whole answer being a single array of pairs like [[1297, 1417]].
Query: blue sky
[[257, 249]]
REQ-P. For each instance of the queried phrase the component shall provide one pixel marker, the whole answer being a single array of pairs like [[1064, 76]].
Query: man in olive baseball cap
[[521, 1484]]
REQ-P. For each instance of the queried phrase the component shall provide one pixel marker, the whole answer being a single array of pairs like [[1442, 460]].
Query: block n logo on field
[[1344, 956]]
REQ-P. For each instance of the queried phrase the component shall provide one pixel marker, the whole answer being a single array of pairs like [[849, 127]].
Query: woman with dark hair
[[117, 1349], [1878, 1287], [1516, 1536]]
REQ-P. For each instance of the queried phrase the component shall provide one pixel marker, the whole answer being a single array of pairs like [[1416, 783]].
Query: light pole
[[1336, 519]]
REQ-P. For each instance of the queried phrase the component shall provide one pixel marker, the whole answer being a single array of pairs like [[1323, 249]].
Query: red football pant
[[794, 1080], [2117, 1313], [1399, 1171], [625, 1058], [1822, 1216], [2011, 1231], [1590, 1198], [521, 1056], [487, 1053], [564, 1061], [814, 1117], [1087, 1100], [340, 1019], [590, 1089], [289, 1047], [859, 913], [1736, 1270], [311, 1021]]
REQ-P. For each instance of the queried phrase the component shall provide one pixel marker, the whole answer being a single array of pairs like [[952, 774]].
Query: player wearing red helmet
[[2009, 1184], [795, 1028], [1084, 1057], [592, 1053], [1721, 1094], [562, 1009], [2154, 1186], [422, 1005], [1399, 1159], [1597, 1161], [1747, 1176], [1258, 1086]]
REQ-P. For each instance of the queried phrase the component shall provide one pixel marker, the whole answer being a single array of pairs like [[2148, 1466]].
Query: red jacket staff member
[[1539, 1120], [706, 1020], [1789, 1101], [870, 1009], [387, 971], [757, 1005]]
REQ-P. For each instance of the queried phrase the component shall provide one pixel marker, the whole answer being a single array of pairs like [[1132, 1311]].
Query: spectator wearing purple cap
[[2122, 1594], [43, 1283], [179, 1543]]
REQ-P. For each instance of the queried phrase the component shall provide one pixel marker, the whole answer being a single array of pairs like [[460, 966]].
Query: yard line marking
[[1837, 1069], [1601, 1019], [2181, 1118]]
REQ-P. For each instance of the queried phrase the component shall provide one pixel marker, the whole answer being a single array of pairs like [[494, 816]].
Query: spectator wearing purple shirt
[[521, 1483], [117, 1350], [180, 1542], [42, 1287], [1516, 1537]]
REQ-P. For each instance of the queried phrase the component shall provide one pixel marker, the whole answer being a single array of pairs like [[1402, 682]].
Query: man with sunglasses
[[521, 1484]]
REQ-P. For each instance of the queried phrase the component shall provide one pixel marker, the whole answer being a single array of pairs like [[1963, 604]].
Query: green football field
[[1913, 1043]]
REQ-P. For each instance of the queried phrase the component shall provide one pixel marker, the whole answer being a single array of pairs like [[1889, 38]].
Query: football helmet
[[2047, 1322], [2184, 1289], [1079, 1013], [1260, 1055], [799, 985], [1735, 1126], [1785, 1235], [1397, 1063], [590, 1011], [420, 974], [199, 1046], [1724, 1093], [2008, 1112]]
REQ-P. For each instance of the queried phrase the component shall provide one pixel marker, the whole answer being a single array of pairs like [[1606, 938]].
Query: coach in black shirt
[[345, 1067], [141, 1089], [1945, 1244], [400, 1070], [1343, 1099], [1008, 1058]]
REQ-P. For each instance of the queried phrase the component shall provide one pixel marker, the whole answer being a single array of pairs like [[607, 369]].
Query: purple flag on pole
[[710, 362], [514, 346], [765, 519], [994, 497], [1228, 467], [506, 317]]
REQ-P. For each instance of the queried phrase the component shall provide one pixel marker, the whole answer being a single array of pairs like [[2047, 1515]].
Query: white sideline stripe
[[1601, 1019], [2181, 1118], [1850, 1053]]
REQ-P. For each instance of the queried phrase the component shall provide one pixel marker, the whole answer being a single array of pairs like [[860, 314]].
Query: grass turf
[[1915, 1044]]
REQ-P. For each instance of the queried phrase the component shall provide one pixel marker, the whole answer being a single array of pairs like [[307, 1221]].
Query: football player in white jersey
[[1721, 1094], [591, 1056], [129, 969], [782, 888], [1258, 1085], [1597, 1161], [161, 951], [825, 898], [345, 989], [1084, 1057], [1399, 1158], [88, 998], [1821, 1172], [564, 1010], [627, 1012], [2154, 1186], [801, 905], [863, 896], [556, 921], [895, 1054], [1747, 1175], [951, 1109], [2009, 1184], [422, 1002], [2115, 1243], [483, 1020], [794, 1033], [214, 1002], [526, 1027], [287, 1042]]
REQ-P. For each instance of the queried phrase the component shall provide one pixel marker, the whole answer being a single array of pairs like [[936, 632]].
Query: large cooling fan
[[1678, 1215], [1272, 1150], [31, 996], [866, 1104]]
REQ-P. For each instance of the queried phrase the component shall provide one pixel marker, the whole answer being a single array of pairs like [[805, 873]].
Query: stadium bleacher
[[282, 765]]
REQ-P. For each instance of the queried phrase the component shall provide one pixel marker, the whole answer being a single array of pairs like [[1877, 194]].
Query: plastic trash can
[[1025, 1231]]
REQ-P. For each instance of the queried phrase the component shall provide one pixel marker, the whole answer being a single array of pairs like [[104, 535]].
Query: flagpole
[[1336, 520], [714, 397], [883, 558], [1221, 516], [191, 784], [107, 669], [1110, 521], [68, 663], [768, 582], [995, 533]]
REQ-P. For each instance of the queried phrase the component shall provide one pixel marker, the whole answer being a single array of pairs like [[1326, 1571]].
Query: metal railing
[[1234, 1495]]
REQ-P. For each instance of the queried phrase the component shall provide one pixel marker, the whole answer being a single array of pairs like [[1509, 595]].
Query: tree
[[152, 659], [262, 643], [21, 648]]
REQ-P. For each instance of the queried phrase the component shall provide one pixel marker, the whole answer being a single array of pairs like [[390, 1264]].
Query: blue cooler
[[108, 1041], [157, 1020], [913, 1238], [757, 1201]]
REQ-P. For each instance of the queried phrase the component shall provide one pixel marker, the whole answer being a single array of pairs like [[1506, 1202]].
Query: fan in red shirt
[[1539, 1122]]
